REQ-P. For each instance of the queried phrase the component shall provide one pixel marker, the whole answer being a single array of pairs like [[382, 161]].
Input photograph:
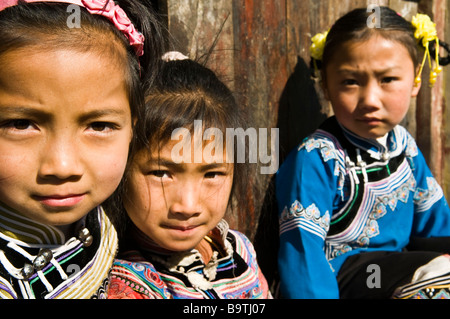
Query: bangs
[[169, 112]]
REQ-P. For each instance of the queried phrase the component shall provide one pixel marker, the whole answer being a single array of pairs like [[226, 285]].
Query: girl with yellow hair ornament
[[376, 224]]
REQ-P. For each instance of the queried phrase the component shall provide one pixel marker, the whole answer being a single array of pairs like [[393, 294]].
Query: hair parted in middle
[[390, 25]]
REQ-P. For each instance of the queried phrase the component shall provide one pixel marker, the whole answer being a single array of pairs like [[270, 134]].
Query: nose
[[60, 158], [370, 98], [186, 201]]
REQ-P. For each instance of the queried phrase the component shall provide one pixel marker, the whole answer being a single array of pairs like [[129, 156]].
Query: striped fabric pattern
[[75, 272], [153, 276]]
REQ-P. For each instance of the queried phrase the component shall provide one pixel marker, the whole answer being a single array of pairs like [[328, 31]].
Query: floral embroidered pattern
[[371, 227], [308, 219], [425, 198]]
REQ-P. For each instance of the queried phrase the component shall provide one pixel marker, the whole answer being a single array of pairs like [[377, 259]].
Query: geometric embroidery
[[371, 227], [430, 293], [380, 209], [308, 219], [425, 198]]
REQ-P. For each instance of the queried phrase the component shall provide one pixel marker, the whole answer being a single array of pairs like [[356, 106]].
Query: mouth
[[60, 201], [181, 228], [371, 120]]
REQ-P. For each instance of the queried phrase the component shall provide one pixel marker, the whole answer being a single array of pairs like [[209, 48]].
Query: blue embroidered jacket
[[339, 194]]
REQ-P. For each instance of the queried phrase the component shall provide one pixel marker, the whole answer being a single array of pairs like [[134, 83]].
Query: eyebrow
[[178, 166], [25, 111], [100, 113], [356, 71], [44, 115]]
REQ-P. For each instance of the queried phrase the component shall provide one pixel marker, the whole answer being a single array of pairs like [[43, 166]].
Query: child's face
[[65, 129], [370, 84], [176, 205]]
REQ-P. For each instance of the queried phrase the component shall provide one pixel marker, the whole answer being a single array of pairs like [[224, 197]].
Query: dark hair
[[43, 27], [353, 26], [184, 92]]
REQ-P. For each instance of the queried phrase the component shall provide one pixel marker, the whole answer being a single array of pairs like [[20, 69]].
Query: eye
[[160, 173], [215, 174], [349, 82], [19, 124], [103, 126], [388, 79]]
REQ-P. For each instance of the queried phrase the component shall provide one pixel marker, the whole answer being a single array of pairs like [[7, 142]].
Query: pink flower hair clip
[[105, 8]]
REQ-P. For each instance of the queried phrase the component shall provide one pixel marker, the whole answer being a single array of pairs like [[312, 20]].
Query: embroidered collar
[[27, 232], [188, 263], [145, 244], [395, 143], [36, 260]]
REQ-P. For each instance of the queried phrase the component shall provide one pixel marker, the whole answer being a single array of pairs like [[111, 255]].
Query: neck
[[205, 250]]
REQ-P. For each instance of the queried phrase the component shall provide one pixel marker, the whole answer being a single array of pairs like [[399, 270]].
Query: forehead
[[187, 149], [376, 52], [61, 79]]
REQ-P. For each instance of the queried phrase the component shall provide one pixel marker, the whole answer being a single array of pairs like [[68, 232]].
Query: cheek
[[144, 204], [342, 103], [110, 163], [398, 104], [15, 169], [219, 203]]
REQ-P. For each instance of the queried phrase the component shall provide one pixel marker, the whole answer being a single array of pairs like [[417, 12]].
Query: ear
[[416, 89], [417, 85]]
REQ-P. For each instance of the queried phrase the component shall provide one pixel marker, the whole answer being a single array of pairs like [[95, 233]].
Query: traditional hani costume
[[38, 262], [148, 272], [349, 205]]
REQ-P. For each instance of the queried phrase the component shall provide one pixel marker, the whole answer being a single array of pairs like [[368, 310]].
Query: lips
[[68, 200], [370, 120], [181, 227]]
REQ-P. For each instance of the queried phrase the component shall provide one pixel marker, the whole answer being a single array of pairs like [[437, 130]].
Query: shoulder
[[404, 141], [241, 245], [323, 144], [142, 277]]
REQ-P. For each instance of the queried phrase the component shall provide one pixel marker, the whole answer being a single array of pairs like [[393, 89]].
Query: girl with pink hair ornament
[[361, 215], [72, 73], [176, 241]]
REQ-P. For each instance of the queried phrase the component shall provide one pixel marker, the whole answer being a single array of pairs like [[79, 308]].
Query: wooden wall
[[261, 50]]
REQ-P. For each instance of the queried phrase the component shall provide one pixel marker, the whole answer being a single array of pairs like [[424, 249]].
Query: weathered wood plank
[[446, 117], [262, 52], [430, 102], [260, 68], [204, 31]]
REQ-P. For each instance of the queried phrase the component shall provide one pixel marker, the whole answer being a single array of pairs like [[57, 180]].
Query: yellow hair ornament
[[318, 45], [316, 49], [426, 32]]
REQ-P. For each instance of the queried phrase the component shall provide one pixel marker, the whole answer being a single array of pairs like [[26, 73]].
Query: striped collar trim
[[396, 142], [25, 231], [147, 245]]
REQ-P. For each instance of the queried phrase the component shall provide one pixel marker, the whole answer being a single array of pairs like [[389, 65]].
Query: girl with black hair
[[184, 178], [357, 194], [72, 74]]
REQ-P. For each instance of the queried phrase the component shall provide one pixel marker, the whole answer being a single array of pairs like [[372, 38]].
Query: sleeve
[[306, 187], [246, 250], [431, 210]]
